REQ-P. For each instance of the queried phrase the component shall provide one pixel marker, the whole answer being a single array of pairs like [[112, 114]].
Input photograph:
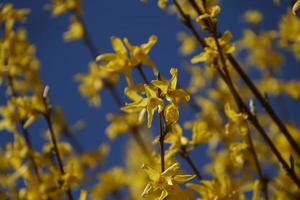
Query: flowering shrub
[[252, 149]]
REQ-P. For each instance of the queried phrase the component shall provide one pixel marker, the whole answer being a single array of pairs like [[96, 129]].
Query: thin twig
[[161, 142], [142, 73], [47, 116], [185, 155]]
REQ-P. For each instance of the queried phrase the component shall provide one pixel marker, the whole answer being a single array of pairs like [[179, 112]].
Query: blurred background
[[60, 61]]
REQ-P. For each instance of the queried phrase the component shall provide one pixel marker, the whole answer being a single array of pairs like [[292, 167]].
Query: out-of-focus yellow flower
[[150, 103], [10, 117], [31, 107], [256, 190], [237, 153], [292, 89], [94, 158], [176, 138], [211, 54], [83, 195], [201, 132], [122, 124], [63, 148], [289, 31], [188, 43], [161, 183], [110, 182], [75, 32], [93, 82], [219, 188], [59, 7], [236, 119], [261, 50], [9, 15], [162, 4], [211, 13], [72, 176], [253, 17]]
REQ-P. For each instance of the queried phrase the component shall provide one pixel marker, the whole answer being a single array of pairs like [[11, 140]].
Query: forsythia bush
[[253, 152]]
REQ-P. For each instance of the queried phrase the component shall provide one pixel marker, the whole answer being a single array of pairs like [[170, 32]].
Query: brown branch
[[161, 141], [47, 116], [185, 155]]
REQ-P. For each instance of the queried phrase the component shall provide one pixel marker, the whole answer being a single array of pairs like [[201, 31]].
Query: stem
[[47, 116], [86, 37], [114, 94], [161, 142], [143, 75], [68, 133], [262, 177], [185, 155]]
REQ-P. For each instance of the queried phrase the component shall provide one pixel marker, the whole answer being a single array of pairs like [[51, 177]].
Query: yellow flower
[[160, 3], [211, 53], [83, 195], [150, 103], [168, 89], [188, 43], [60, 7], [237, 153], [94, 158], [171, 114], [139, 54], [253, 17], [201, 132], [31, 107], [110, 182], [75, 32], [72, 177], [261, 50], [9, 15], [93, 82], [176, 138], [256, 190], [212, 13], [121, 124], [161, 183], [10, 117], [220, 188], [120, 61], [289, 31], [236, 119]]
